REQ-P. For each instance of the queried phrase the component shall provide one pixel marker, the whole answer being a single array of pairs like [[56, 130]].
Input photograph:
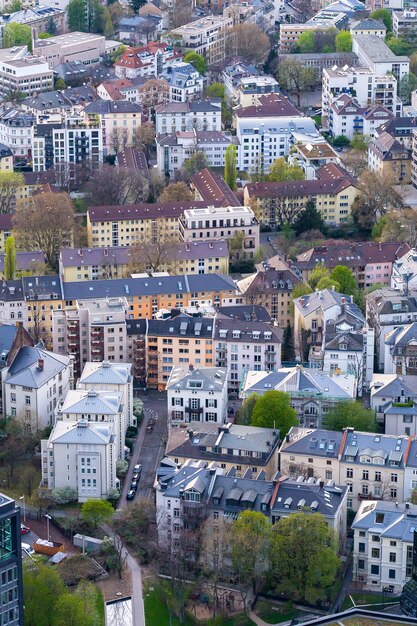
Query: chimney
[[321, 484], [41, 363], [190, 433], [106, 252], [80, 252], [191, 367], [343, 300], [303, 301]]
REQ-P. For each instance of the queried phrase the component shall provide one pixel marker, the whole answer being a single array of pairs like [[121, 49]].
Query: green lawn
[[364, 598], [275, 614]]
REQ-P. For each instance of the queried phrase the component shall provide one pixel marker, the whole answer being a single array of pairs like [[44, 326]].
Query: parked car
[[27, 549], [134, 485], [131, 494], [136, 476], [24, 530], [137, 469]]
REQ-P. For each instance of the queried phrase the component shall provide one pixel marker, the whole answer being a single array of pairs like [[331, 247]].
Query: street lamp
[[24, 507], [48, 517]]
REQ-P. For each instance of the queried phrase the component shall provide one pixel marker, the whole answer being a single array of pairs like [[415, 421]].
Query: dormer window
[[342, 346], [236, 334]]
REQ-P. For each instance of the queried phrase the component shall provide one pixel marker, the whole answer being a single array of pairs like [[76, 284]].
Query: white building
[[400, 350], [206, 36], [410, 471], [110, 376], [149, 60], [383, 544], [81, 455], [187, 116], [221, 222], [16, 131], [34, 384], [394, 400], [24, 73], [185, 83], [347, 117], [197, 395], [374, 53], [78, 143], [96, 406], [404, 272]]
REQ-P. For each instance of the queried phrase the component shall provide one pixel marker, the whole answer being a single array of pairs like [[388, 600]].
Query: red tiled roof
[[213, 188]]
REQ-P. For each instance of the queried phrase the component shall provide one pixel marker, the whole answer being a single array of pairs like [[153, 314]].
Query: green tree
[[95, 512], [288, 351], [197, 61], [309, 219], [343, 41], [76, 15], [305, 43], [344, 276], [69, 611], [9, 184], [250, 541], [304, 556], [43, 588], [326, 282], [230, 170], [15, 34], [406, 86], [60, 84], [273, 410], [108, 27], [302, 289], [244, 414], [51, 27], [10, 259], [317, 274], [197, 162], [296, 78], [281, 171], [216, 90], [383, 15], [399, 46], [351, 414]]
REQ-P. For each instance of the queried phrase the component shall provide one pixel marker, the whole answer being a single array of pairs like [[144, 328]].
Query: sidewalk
[[261, 622]]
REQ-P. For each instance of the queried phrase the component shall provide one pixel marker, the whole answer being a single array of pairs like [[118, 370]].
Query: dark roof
[[316, 441], [6, 221], [267, 333], [297, 187], [351, 254], [5, 151], [246, 313], [7, 335], [101, 107], [143, 211], [39, 178], [353, 341], [213, 188], [26, 260], [271, 105], [133, 159], [398, 126], [42, 287], [294, 495]]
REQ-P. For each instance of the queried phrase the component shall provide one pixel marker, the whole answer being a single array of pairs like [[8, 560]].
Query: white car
[[27, 550]]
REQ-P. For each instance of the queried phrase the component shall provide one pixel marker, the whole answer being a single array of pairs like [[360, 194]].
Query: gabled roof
[[92, 402], [368, 24], [106, 373], [82, 432], [24, 370], [213, 188], [271, 105], [208, 378], [295, 380]]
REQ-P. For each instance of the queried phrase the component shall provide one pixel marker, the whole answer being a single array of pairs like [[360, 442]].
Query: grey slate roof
[[246, 312], [211, 378], [393, 388], [42, 287], [105, 373], [7, 335], [398, 522], [182, 325], [325, 299], [391, 449], [108, 106], [92, 402], [293, 380], [11, 291], [25, 260], [400, 337], [82, 432], [24, 371], [267, 333], [320, 442], [293, 496]]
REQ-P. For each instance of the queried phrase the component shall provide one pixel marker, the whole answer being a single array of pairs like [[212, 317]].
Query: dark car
[[131, 494], [137, 469], [136, 476], [134, 485], [24, 530]]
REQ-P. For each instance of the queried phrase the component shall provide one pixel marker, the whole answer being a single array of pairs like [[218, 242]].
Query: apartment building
[[404, 272], [206, 36], [199, 257], [390, 159], [81, 455], [375, 54], [410, 472], [310, 157], [185, 83], [244, 346], [401, 128], [16, 131], [78, 142], [332, 193], [34, 382], [74, 46], [371, 465], [6, 158], [312, 394], [212, 222], [212, 189], [149, 60], [11, 585], [197, 394], [43, 296], [21, 72], [413, 157], [191, 115], [394, 400], [89, 405], [289, 34], [348, 118], [383, 544], [229, 445], [119, 122], [271, 286], [400, 350], [369, 26], [244, 86], [94, 331], [404, 23]]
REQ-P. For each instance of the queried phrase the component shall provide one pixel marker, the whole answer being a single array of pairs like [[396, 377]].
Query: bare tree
[[154, 91], [46, 224], [9, 184], [144, 138], [116, 186], [115, 552], [249, 41], [176, 192], [161, 254], [377, 195], [216, 554], [118, 140], [180, 13]]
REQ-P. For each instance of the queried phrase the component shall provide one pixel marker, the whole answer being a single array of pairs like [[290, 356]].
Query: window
[[378, 476], [361, 547], [361, 564], [394, 478], [349, 472], [393, 491], [375, 553], [391, 574], [375, 569], [392, 557], [365, 475]]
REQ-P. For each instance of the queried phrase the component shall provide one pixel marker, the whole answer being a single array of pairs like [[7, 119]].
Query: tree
[[383, 15], [230, 170], [397, 226], [15, 34], [305, 43], [281, 171], [249, 41], [136, 5], [215, 553], [309, 219], [9, 184], [76, 15], [376, 196], [136, 526], [180, 13], [64, 495], [96, 512], [304, 10], [302, 289], [326, 282], [345, 278], [113, 496], [51, 27], [359, 143], [69, 611], [351, 414], [295, 78], [121, 468], [108, 28], [343, 41], [115, 553], [10, 259], [273, 410], [60, 84], [155, 91], [250, 542], [244, 415], [399, 46], [43, 590], [176, 192], [197, 61], [45, 224], [413, 498], [111, 185], [406, 86], [195, 163], [319, 272], [304, 556], [288, 351], [216, 90], [145, 138]]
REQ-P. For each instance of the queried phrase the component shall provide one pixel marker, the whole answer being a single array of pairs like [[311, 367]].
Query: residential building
[[16, 131], [404, 23], [401, 128], [149, 60], [229, 445], [370, 262], [383, 544], [43, 295], [174, 149], [212, 189], [289, 34], [371, 465], [119, 89], [206, 36], [11, 579], [199, 257], [332, 193], [196, 394], [413, 157], [187, 116], [244, 85], [310, 157], [6, 226], [34, 382], [74, 46], [244, 346], [410, 472], [271, 286], [6, 159], [312, 394], [119, 122], [12, 302], [348, 118], [225, 222], [404, 272], [81, 455], [24, 73], [26, 263], [374, 53], [400, 350], [135, 161], [137, 29], [369, 26], [320, 60], [78, 143], [390, 159], [185, 83], [38, 17], [394, 398], [94, 331]]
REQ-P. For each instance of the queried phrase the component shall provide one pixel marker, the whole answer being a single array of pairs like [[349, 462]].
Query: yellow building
[[6, 159], [389, 158], [119, 122], [43, 295], [332, 193]]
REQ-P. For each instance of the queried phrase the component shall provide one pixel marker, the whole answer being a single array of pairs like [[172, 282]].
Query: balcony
[[369, 496], [199, 411]]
